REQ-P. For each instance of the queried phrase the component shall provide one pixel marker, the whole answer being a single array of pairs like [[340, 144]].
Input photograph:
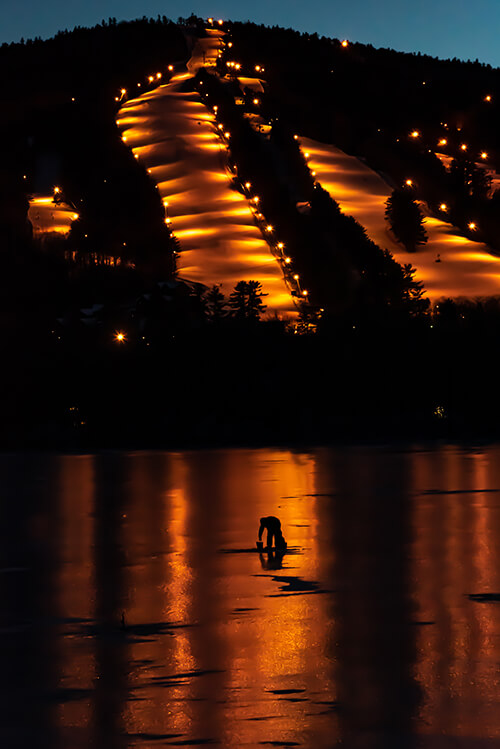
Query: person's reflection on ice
[[273, 560]]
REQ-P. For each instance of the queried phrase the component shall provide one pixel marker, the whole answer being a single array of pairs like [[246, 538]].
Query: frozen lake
[[135, 611]]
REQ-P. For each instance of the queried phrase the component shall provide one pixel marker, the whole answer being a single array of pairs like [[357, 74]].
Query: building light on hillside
[[151, 78], [472, 226], [269, 228], [280, 245], [288, 260], [227, 134], [210, 20], [296, 277], [345, 43], [255, 199], [76, 216], [248, 185], [307, 154], [220, 21]]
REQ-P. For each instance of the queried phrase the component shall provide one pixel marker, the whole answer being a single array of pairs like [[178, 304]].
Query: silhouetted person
[[273, 527]]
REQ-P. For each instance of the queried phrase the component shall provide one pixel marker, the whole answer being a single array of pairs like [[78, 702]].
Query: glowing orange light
[[484, 155], [472, 226], [269, 227], [463, 147], [210, 20], [168, 221], [307, 154], [120, 337], [123, 91], [443, 142], [220, 21], [288, 260], [280, 245], [415, 134], [229, 44], [57, 189], [227, 134], [158, 75], [136, 155], [305, 292], [237, 66], [487, 98], [296, 137], [257, 68], [248, 185], [170, 67], [345, 43], [296, 277], [76, 216], [409, 182], [256, 199], [256, 101], [443, 207]]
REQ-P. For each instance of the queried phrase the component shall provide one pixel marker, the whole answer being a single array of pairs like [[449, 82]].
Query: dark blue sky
[[446, 28]]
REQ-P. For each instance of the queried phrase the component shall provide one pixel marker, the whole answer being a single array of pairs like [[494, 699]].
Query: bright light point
[[120, 337], [280, 245], [221, 127], [237, 66], [248, 185], [167, 221], [256, 101], [227, 134], [136, 155], [313, 174], [409, 182], [229, 44], [484, 155], [256, 199], [269, 227], [472, 226], [151, 79], [305, 292], [158, 75], [123, 91], [487, 98], [443, 207], [288, 260], [415, 134], [296, 277], [170, 67], [257, 68], [307, 154], [463, 147], [296, 137], [220, 21], [76, 216], [210, 20], [345, 43], [443, 142], [57, 189]]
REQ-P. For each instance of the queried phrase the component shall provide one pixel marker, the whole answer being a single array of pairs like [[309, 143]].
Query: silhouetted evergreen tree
[[246, 301], [406, 220]]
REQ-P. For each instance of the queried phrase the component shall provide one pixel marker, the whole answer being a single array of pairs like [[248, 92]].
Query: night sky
[[445, 28]]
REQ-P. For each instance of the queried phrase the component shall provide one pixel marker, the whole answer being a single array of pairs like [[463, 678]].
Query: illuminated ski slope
[[46, 217], [466, 269], [174, 135]]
